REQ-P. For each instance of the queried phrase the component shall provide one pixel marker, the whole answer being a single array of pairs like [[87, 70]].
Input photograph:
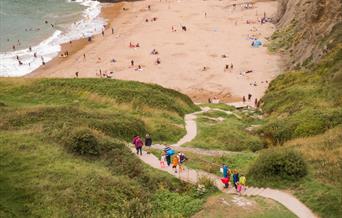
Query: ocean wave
[[90, 24]]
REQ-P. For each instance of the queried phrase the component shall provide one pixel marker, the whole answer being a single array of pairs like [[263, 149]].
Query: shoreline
[[179, 51], [77, 45]]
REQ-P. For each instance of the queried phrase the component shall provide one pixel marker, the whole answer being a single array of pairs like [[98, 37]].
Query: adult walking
[[168, 152], [148, 142], [138, 143], [225, 172], [236, 178]]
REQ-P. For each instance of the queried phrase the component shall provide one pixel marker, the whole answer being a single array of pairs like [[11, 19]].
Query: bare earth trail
[[192, 176]]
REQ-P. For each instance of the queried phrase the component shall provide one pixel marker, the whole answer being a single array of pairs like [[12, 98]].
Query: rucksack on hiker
[[170, 152]]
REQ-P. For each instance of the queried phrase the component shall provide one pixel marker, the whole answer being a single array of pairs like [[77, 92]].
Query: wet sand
[[191, 61]]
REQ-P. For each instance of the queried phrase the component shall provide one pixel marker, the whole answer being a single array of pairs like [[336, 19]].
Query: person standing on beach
[[132, 63], [249, 97]]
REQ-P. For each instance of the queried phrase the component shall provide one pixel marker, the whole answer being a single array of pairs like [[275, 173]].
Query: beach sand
[[214, 28]]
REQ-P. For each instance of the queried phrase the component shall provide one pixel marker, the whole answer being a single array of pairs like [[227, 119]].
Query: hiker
[[175, 163], [182, 158], [169, 152], [162, 159], [225, 172], [242, 183], [138, 144], [148, 142], [236, 178]]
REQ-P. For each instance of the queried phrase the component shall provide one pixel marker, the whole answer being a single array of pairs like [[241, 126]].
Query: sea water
[[42, 25]]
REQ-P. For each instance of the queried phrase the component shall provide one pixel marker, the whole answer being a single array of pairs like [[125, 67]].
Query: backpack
[[182, 158], [170, 152]]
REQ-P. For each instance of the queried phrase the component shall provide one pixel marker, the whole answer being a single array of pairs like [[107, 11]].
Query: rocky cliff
[[307, 29]]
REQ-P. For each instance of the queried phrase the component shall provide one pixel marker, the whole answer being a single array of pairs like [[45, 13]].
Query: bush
[[255, 145], [82, 141], [281, 163], [175, 204]]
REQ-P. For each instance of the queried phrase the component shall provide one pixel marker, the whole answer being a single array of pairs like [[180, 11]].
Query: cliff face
[[308, 28]]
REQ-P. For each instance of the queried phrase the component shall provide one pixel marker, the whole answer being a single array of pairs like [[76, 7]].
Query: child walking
[[175, 163], [162, 159], [242, 183]]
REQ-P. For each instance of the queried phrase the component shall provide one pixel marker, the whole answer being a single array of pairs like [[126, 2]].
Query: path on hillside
[[192, 176]]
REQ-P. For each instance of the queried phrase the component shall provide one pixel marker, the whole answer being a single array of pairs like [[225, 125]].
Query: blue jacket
[[236, 177], [225, 171]]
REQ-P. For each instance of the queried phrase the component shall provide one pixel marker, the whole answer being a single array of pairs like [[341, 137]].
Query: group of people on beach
[[239, 181]]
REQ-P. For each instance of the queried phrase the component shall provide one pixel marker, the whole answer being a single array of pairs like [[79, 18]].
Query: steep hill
[[63, 150], [303, 106]]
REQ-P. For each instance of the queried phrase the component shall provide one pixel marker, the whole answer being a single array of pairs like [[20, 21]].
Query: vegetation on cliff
[[63, 149]]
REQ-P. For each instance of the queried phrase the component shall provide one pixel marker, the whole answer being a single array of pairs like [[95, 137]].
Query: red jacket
[[138, 142]]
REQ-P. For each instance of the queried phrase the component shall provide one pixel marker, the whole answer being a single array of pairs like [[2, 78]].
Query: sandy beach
[[192, 61]]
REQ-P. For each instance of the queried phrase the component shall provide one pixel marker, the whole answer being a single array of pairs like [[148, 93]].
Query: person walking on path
[[181, 159], [236, 178], [175, 163], [148, 142], [168, 152], [242, 183], [162, 159], [138, 143], [225, 172]]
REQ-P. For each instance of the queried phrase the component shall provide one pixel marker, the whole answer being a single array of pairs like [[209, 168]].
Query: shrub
[[280, 163], [82, 141], [205, 185], [255, 145], [166, 202]]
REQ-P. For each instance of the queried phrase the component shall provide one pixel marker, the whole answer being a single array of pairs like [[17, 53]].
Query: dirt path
[[192, 176]]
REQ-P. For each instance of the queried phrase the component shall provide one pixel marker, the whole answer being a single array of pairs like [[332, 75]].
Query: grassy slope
[[229, 134], [304, 113], [40, 176]]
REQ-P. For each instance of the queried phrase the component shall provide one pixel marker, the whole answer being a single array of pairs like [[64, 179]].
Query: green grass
[[43, 175], [306, 102], [229, 134]]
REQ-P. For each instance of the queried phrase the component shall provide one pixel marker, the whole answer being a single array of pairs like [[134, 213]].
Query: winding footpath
[[192, 176]]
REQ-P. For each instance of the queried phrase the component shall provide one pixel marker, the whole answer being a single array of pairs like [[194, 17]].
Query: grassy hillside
[[303, 111], [227, 129], [305, 102], [63, 153]]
